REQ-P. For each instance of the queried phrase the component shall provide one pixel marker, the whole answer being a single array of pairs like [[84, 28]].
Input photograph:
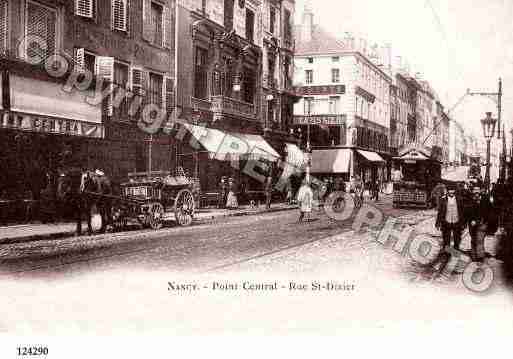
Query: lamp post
[[488, 124], [308, 148]]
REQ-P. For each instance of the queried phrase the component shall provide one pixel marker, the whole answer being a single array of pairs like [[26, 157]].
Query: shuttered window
[[138, 87], [155, 90], [84, 8], [4, 21], [105, 70], [156, 22], [41, 28], [121, 81], [200, 73], [120, 15], [169, 94]]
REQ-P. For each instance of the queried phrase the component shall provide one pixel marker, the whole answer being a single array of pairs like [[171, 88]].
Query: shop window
[[41, 23], [200, 73]]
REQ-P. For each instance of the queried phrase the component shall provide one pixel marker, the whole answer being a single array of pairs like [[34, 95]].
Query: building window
[[85, 8], [310, 60], [250, 25], [335, 59], [200, 73], [4, 23], [334, 104], [157, 11], [121, 82], [309, 106], [119, 11], [335, 75], [41, 23], [272, 19], [309, 76], [228, 14], [155, 90], [249, 86], [288, 27]]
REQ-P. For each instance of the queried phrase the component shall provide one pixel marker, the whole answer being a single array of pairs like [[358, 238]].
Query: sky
[[455, 44]]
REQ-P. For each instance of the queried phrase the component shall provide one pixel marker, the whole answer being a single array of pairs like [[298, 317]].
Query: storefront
[[210, 154], [370, 166]]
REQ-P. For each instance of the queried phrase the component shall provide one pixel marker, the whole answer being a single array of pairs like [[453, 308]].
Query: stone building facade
[[46, 111]]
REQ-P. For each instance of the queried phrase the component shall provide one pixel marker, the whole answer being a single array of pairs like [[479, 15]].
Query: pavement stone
[[39, 231]]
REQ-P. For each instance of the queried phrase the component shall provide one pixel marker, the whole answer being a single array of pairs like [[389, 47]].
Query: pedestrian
[[268, 189], [451, 218], [477, 213], [438, 192], [290, 194], [375, 189], [221, 201], [231, 199], [305, 199]]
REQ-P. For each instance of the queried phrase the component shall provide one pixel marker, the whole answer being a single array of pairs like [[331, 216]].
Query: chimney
[[349, 42], [386, 56], [307, 25]]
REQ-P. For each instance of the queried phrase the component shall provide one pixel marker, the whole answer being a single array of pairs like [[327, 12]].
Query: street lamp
[[488, 124]]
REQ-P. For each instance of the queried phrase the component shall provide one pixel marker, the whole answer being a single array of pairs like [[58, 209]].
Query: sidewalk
[[38, 231]]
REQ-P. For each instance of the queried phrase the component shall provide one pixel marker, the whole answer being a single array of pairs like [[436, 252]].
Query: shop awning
[[371, 156], [225, 146], [331, 161]]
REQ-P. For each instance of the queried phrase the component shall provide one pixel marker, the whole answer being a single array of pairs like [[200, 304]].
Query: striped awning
[[228, 146]]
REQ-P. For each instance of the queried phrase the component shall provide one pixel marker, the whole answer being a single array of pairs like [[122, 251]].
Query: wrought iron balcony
[[229, 106]]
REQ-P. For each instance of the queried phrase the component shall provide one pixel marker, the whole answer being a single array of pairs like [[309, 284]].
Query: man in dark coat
[[478, 214], [451, 218]]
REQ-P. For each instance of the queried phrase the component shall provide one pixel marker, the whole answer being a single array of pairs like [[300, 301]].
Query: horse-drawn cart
[[155, 198]]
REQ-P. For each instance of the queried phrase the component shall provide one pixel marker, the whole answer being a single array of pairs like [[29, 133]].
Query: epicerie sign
[[27, 122]]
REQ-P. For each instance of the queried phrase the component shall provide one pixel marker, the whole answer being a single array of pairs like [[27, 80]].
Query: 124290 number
[[32, 351]]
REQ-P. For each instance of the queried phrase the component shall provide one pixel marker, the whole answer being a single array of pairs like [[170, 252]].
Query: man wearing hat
[[451, 218], [477, 217]]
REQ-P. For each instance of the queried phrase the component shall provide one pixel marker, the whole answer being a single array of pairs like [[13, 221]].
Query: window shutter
[[84, 8], [169, 94], [41, 22], [119, 15], [147, 26], [79, 58], [138, 82], [104, 69], [168, 27]]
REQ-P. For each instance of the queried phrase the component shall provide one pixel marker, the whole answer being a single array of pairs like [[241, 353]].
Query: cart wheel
[[155, 216], [184, 207]]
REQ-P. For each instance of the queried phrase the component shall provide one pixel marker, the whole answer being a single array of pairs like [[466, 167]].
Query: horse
[[81, 190]]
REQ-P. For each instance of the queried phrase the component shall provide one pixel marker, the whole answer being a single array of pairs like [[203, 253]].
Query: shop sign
[[320, 90], [42, 124], [325, 120]]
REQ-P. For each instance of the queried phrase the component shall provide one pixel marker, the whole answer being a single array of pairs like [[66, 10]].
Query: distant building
[[345, 89]]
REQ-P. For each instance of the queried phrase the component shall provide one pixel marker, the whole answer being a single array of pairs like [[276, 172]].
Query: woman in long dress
[[231, 201], [305, 199]]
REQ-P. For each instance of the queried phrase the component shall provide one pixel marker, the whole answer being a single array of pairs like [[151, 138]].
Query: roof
[[321, 43]]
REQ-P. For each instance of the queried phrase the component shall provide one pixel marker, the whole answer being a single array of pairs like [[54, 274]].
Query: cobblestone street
[[131, 270]]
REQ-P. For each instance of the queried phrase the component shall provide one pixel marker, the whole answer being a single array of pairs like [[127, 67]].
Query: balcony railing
[[230, 106], [200, 104]]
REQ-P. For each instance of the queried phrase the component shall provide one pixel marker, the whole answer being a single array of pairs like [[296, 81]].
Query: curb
[[206, 220]]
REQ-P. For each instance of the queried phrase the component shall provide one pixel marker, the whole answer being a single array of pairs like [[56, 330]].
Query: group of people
[[468, 206], [227, 194]]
